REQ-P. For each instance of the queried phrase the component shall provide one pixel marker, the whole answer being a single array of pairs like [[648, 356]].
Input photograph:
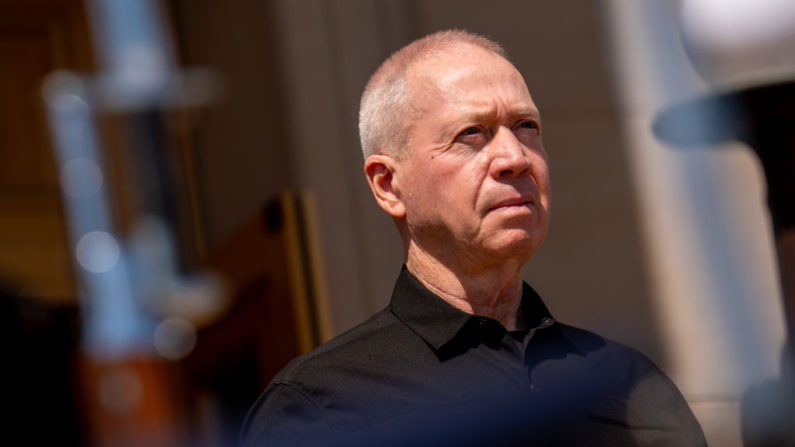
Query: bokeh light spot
[[175, 338], [97, 251]]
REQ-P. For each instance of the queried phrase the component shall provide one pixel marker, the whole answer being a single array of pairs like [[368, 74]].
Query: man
[[466, 353]]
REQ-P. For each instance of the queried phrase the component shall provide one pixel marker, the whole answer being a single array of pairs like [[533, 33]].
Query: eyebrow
[[487, 114], [526, 112]]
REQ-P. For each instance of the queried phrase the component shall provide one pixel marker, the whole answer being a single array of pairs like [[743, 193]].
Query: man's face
[[475, 184]]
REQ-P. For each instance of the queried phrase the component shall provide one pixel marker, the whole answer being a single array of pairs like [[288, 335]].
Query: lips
[[512, 202]]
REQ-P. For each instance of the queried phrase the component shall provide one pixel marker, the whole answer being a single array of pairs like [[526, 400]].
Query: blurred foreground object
[[746, 50], [138, 311], [740, 42]]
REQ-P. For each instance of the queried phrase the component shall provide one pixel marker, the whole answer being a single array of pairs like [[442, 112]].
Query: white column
[[706, 224]]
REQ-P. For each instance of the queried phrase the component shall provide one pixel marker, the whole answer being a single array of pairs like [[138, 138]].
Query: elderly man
[[466, 353]]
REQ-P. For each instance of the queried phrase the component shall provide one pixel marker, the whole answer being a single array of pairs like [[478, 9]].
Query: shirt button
[[481, 321], [546, 322], [533, 387]]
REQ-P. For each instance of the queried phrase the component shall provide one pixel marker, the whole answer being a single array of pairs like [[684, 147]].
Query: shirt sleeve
[[654, 411], [285, 416], [686, 431]]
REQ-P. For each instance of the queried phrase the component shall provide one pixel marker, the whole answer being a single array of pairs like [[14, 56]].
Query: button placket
[[543, 324]]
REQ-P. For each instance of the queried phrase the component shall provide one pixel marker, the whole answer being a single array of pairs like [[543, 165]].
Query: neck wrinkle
[[494, 293]]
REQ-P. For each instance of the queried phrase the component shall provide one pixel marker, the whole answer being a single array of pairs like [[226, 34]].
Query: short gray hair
[[386, 111]]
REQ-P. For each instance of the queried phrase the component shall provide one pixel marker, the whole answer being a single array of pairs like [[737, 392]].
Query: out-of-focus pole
[[711, 264], [763, 117], [137, 309], [744, 49]]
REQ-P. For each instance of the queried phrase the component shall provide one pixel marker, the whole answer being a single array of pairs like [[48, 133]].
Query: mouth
[[513, 203]]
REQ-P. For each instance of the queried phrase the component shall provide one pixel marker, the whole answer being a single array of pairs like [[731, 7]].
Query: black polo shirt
[[423, 373]]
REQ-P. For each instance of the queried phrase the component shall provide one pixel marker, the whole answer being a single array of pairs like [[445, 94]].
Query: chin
[[518, 245]]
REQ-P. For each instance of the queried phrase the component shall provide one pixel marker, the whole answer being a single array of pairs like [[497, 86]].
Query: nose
[[510, 156]]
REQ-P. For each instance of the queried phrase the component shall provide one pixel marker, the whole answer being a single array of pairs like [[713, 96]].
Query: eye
[[471, 138], [528, 125], [470, 135]]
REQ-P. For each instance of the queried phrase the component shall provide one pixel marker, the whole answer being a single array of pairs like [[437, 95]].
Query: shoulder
[[286, 416], [350, 348], [623, 386], [295, 404]]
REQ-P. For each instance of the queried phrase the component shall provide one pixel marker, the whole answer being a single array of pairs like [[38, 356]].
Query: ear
[[381, 175]]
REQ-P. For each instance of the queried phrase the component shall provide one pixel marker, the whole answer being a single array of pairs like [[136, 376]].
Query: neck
[[494, 292]]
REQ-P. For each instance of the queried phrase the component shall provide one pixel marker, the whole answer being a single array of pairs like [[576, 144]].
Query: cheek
[[541, 176], [419, 196], [544, 186], [436, 201]]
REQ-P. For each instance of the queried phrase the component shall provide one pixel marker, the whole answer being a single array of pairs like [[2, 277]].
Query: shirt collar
[[438, 322]]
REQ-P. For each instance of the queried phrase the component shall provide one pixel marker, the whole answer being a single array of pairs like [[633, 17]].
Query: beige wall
[[240, 144]]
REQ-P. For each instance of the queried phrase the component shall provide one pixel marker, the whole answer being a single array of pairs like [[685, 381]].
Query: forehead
[[467, 76]]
